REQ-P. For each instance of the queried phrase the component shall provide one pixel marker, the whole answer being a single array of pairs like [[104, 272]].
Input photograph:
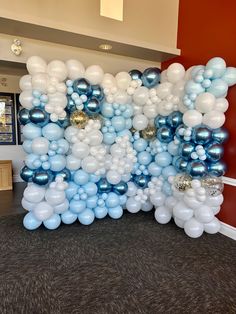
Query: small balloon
[[23, 116], [160, 121], [165, 134], [201, 135], [120, 188], [220, 135], [174, 119], [197, 168], [214, 152], [135, 74], [149, 133], [182, 182], [79, 119], [217, 169], [104, 186], [97, 92], [92, 106], [213, 185], [27, 174], [141, 180]]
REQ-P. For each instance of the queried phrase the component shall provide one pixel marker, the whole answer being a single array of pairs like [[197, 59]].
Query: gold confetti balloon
[[79, 119], [182, 182], [213, 185], [149, 133]]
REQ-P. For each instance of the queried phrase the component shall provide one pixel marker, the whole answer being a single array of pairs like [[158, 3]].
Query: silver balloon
[[213, 185]]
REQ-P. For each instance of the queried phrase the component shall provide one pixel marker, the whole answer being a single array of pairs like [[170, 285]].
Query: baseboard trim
[[17, 178], [228, 231], [229, 181]]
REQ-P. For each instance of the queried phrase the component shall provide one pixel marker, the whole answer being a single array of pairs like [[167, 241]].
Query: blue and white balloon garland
[[99, 144]]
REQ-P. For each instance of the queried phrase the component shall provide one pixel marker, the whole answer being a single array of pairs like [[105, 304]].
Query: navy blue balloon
[[197, 168], [42, 177], [214, 151], [135, 74], [151, 77], [82, 87], [175, 119], [70, 105], [39, 116], [120, 188], [26, 174], [92, 106], [160, 121], [141, 180], [220, 135], [180, 164], [165, 134], [186, 149], [97, 92], [65, 173], [23, 116], [217, 169], [201, 135], [104, 186]]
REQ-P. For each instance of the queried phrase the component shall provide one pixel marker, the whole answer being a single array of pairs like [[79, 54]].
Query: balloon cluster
[[99, 144]]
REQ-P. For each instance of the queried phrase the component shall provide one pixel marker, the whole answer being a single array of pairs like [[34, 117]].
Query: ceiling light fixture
[[105, 46]]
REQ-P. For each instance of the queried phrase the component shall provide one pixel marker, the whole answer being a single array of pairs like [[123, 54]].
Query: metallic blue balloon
[[135, 74], [217, 169], [92, 106], [26, 174], [141, 180], [180, 164], [186, 149], [201, 135], [151, 77], [65, 173], [82, 87], [174, 119], [160, 121], [197, 168], [120, 188], [104, 186], [64, 123], [42, 177], [97, 92], [220, 135], [23, 116], [165, 134], [39, 116], [70, 105], [214, 151]]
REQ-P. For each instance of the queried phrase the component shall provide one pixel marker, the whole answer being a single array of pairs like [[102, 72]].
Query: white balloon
[[170, 202], [40, 82], [205, 102], [121, 97], [113, 177], [27, 205], [26, 99], [162, 215], [191, 202], [61, 208], [70, 132], [204, 214], [163, 90], [72, 163], [141, 95], [164, 108], [89, 164], [179, 222], [25, 82], [221, 104], [123, 80], [108, 81], [150, 111], [164, 76], [75, 69], [80, 150], [40, 146], [117, 151], [140, 122], [57, 69], [137, 109], [213, 226], [182, 212], [214, 119], [57, 100], [192, 118], [158, 199], [175, 72], [35, 65], [214, 200], [147, 206], [132, 205], [94, 74], [43, 211], [95, 137], [34, 193], [132, 189], [54, 196], [193, 228]]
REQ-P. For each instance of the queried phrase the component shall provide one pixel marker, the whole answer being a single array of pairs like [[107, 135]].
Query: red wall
[[206, 29]]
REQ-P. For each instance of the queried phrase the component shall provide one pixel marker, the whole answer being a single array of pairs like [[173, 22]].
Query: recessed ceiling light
[[105, 46]]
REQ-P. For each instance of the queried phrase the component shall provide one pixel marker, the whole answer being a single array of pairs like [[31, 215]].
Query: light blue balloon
[[192, 87], [94, 178], [118, 122], [126, 177], [27, 146], [123, 199], [86, 217], [107, 110], [144, 158], [128, 112], [100, 212], [124, 133], [217, 65], [63, 146], [115, 212], [128, 123], [90, 188], [30, 222], [167, 189], [52, 131], [71, 190], [30, 161], [68, 217], [77, 206], [109, 138], [57, 162], [230, 76], [173, 148], [53, 222], [218, 88], [92, 201], [163, 159], [31, 131], [140, 145], [154, 169], [169, 171], [81, 177], [112, 200], [195, 70]]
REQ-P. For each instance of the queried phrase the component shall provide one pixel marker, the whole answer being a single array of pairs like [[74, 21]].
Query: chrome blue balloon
[[92, 106], [186, 149], [197, 168], [180, 164], [141, 180], [135, 74], [201, 135], [104, 186], [151, 77], [174, 119], [214, 151], [42, 177], [65, 173], [82, 87], [120, 188], [160, 121], [70, 105], [97, 92], [165, 134], [64, 123], [39, 116], [220, 135], [217, 169], [23, 116], [26, 174]]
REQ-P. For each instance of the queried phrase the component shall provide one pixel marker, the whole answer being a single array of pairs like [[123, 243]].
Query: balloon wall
[[99, 144]]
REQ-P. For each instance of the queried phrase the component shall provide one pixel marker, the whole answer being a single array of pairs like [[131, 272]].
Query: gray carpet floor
[[132, 265]]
